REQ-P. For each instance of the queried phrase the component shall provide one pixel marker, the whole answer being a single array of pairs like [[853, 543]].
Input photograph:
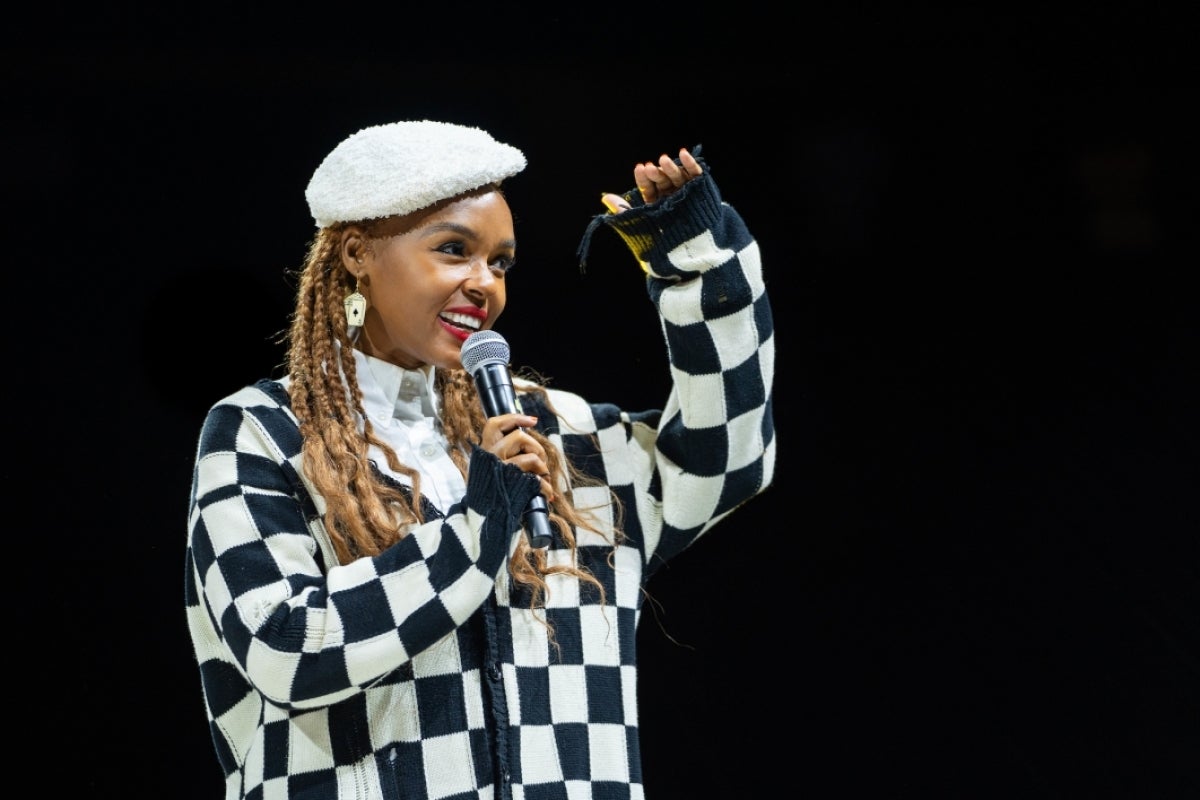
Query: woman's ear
[[353, 249]]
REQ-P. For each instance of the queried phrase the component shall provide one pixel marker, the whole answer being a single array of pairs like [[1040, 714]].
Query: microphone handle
[[494, 384]]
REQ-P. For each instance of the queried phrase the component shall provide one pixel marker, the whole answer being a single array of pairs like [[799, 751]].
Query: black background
[[976, 573]]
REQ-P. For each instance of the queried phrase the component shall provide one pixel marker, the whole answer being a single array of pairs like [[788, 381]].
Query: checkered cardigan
[[422, 672]]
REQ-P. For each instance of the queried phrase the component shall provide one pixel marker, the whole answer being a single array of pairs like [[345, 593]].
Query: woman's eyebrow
[[452, 227], [462, 230]]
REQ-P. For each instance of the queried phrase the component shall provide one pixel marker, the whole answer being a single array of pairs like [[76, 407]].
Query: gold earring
[[356, 307]]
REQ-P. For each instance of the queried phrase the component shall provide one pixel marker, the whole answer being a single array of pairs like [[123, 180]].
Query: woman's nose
[[480, 277]]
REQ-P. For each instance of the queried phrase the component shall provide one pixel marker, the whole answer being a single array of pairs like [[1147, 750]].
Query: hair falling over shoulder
[[365, 514]]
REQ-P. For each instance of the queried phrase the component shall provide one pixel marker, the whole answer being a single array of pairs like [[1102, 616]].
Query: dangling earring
[[356, 309]]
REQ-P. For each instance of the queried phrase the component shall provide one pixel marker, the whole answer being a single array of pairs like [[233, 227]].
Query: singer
[[371, 615]]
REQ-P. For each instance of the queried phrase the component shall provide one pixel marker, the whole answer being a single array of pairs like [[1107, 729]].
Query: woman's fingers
[[645, 183], [657, 180], [673, 173], [533, 461], [498, 427], [504, 436], [689, 163]]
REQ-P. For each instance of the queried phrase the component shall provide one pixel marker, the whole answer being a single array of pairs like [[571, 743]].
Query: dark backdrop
[[976, 573]]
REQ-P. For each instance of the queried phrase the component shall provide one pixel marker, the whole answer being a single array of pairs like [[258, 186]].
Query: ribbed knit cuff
[[499, 491], [662, 226], [659, 227]]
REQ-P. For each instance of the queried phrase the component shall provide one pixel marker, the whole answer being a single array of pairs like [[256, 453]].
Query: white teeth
[[462, 320]]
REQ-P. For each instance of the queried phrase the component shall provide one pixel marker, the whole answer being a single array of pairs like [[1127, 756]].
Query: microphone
[[485, 355]]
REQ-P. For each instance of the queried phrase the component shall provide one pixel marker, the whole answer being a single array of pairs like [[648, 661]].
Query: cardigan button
[[493, 672]]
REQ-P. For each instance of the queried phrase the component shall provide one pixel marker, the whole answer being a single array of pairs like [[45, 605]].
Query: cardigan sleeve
[[712, 445], [305, 633]]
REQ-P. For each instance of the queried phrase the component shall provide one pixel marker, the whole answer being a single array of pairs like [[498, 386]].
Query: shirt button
[[428, 450]]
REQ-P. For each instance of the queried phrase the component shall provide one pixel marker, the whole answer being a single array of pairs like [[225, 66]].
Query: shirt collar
[[392, 391]]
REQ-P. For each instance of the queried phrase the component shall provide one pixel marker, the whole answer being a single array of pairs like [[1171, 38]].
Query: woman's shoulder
[[257, 412], [265, 394], [265, 401]]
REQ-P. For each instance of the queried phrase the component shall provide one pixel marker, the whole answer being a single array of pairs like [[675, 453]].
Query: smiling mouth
[[462, 321]]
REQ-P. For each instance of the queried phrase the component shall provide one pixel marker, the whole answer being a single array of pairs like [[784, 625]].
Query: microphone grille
[[483, 347]]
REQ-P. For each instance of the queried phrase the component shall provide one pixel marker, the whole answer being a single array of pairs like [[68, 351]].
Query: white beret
[[404, 166]]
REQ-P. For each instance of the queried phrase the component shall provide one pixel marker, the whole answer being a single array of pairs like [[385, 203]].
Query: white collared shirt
[[404, 410]]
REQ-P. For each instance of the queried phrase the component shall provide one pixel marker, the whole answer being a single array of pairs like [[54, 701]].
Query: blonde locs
[[365, 514]]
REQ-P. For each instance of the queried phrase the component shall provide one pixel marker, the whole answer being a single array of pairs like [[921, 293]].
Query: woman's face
[[432, 278]]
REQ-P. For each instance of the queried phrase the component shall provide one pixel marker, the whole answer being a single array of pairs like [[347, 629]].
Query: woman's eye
[[459, 250]]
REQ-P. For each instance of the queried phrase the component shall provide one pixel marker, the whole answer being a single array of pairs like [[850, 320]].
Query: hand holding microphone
[[485, 356]]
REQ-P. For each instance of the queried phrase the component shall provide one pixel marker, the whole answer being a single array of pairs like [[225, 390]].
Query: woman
[[369, 617]]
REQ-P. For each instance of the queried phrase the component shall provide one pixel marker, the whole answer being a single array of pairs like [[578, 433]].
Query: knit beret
[[400, 167]]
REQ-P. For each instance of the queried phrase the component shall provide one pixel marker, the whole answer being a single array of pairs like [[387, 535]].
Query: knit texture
[[422, 673]]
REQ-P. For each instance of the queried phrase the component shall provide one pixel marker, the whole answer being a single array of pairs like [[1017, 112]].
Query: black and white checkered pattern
[[422, 672]]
